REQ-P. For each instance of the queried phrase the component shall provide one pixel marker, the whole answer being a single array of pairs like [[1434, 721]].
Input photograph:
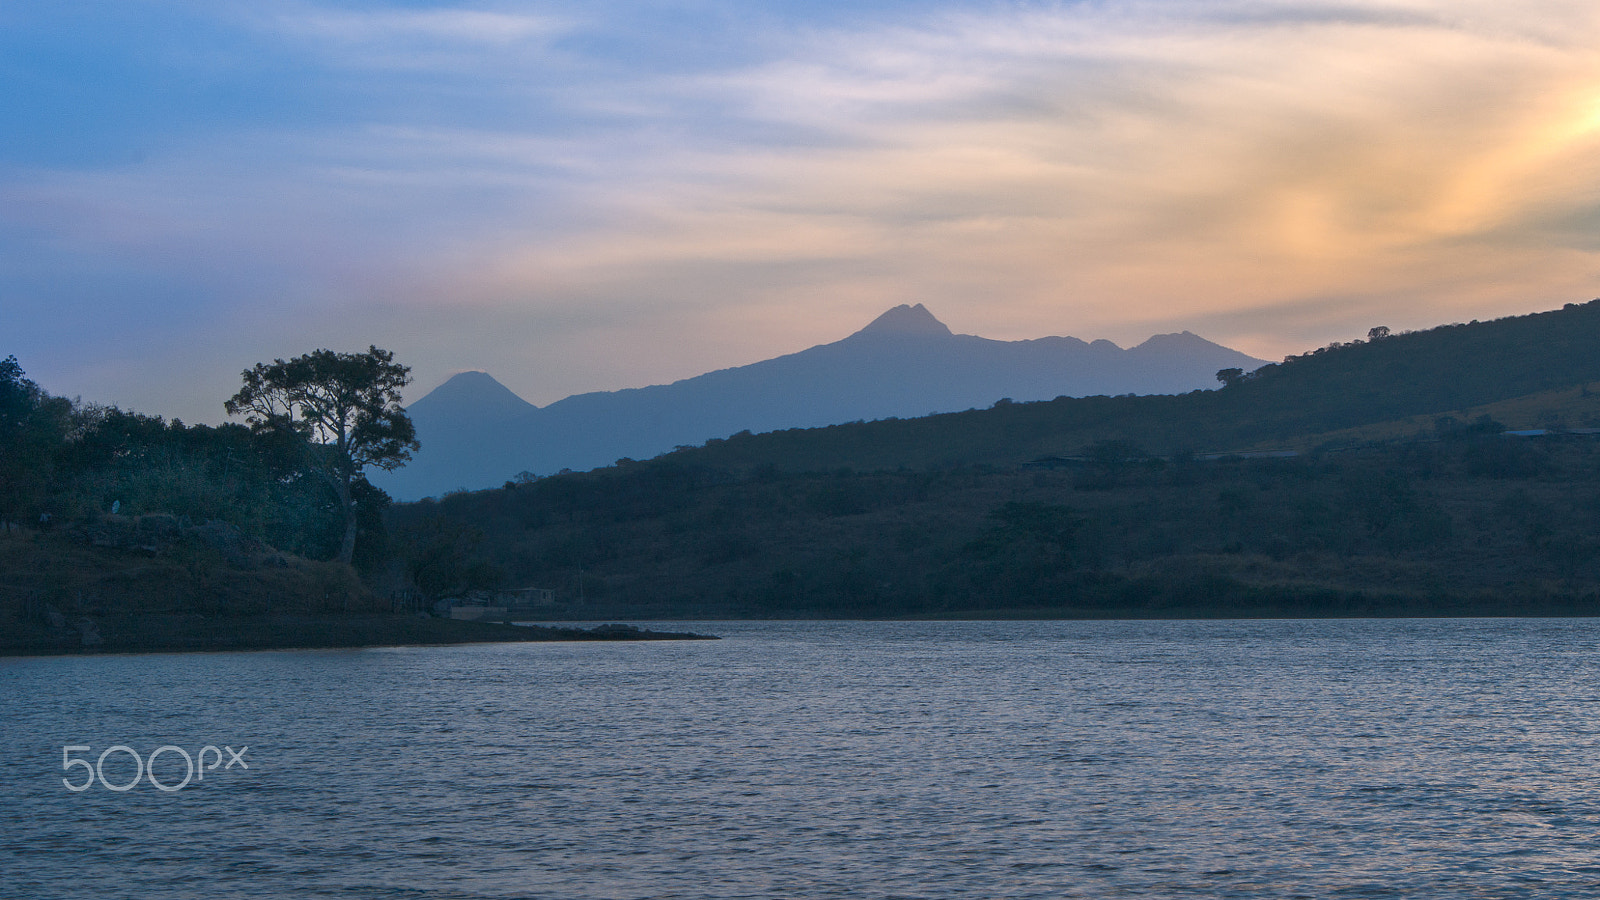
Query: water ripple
[[818, 760]]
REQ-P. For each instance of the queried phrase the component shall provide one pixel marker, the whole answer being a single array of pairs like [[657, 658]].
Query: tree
[[1230, 377], [33, 428], [341, 410]]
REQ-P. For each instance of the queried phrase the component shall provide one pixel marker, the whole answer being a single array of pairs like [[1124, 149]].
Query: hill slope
[[1454, 367]]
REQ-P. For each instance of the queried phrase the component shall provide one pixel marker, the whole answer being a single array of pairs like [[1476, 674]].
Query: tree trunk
[[347, 546]]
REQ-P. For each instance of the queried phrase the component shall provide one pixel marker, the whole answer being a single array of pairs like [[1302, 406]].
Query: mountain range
[[477, 433]]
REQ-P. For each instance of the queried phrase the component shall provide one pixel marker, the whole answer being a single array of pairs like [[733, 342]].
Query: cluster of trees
[[291, 475], [33, 426]]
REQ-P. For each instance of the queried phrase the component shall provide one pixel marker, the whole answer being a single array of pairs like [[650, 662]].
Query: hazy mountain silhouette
[[475, 433]]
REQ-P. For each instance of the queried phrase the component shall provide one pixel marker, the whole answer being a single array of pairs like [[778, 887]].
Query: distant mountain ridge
[[476, 433], [1425, 381]]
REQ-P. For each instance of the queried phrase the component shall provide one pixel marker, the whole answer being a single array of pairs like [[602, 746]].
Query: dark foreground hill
[[475, 433], [1096, 507], [74, 591]]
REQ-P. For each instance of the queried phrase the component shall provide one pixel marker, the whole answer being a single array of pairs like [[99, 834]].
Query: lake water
[[805, 760]]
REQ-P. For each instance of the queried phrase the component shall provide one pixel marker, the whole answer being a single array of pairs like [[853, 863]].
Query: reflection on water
[[967, 759]]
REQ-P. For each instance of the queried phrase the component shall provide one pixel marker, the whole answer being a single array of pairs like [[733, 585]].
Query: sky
[[599, 195]]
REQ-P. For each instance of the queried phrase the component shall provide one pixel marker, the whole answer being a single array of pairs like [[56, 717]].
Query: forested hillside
[[1474, 523]]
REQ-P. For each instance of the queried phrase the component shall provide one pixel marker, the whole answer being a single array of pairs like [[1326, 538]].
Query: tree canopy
[[344, 411], [32, 425]]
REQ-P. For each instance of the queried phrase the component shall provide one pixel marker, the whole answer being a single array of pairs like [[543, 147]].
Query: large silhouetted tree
[[343, 412]]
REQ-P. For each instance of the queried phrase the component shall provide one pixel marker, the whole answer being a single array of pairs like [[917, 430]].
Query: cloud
[[1133, 165], [587, 197]]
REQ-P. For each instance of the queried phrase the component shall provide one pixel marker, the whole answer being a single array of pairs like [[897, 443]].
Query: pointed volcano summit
[[907, 320], [472, 395]]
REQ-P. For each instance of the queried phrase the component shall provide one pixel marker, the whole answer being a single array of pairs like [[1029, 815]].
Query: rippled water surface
[[799, 760]]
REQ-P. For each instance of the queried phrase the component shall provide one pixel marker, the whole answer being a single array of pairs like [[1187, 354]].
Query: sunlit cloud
[[1071, 162]]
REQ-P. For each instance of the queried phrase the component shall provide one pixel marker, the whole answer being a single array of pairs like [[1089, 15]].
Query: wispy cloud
[[468, 26], [396, 32]]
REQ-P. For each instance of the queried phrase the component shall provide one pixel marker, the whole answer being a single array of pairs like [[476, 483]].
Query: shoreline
[[188, 633]]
